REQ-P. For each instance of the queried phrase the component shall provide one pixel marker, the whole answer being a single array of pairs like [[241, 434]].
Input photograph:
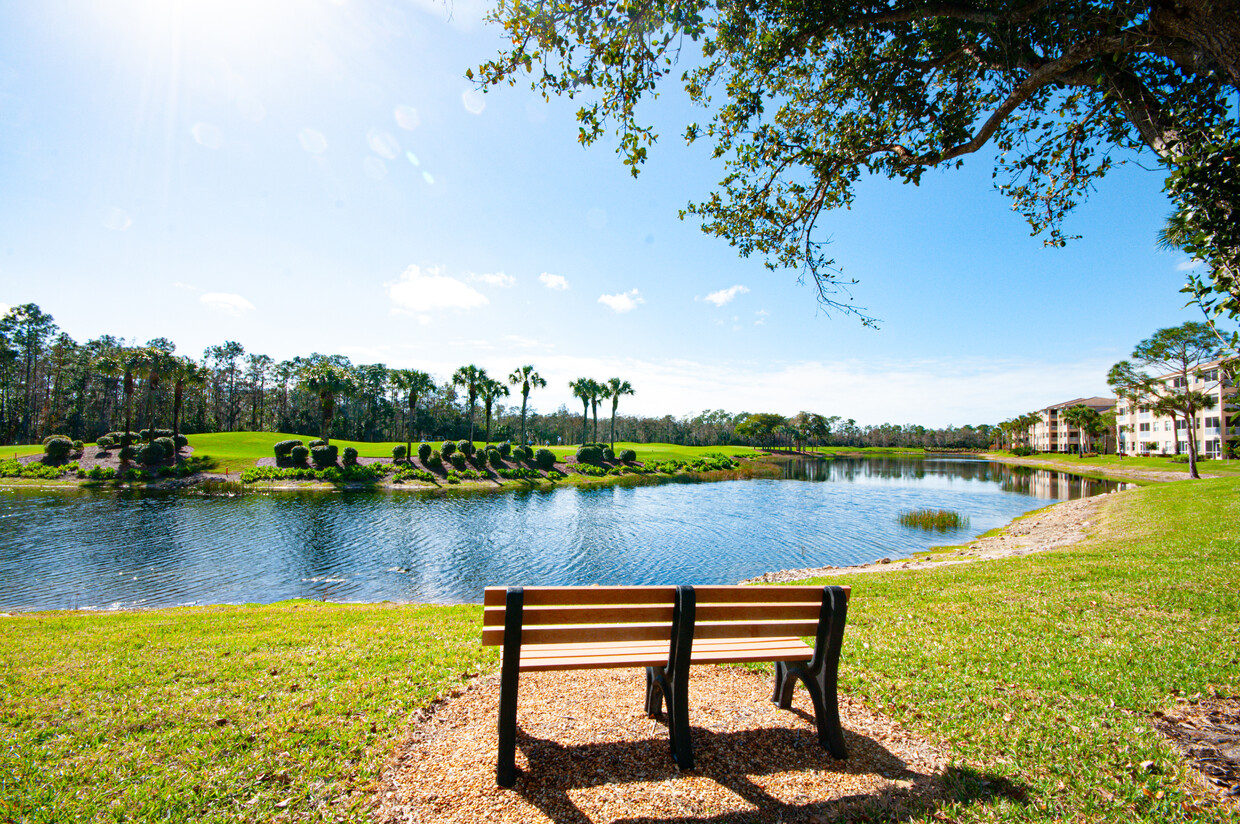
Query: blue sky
[[319, 175]]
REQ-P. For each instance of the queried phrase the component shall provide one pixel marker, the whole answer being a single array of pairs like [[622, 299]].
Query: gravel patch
[[586, 752]]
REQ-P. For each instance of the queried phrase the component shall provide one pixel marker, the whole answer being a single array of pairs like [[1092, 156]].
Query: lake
[[108, 549]]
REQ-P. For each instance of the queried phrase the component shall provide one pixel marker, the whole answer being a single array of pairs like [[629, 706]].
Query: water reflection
[[101, 549]]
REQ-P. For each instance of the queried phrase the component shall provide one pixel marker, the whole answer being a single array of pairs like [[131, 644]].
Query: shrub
[[555, 475], [350, 456], [324, 455], [447, 448], [454, 478], [545, 458], [518, 473], [608, 455], [627, 455], [103, 443], [505, 449], [521, 453], [435, 462], [284, 449], [298, 455], [589, 454], [127, 452], [150, 453], [57, 447], [1022, 451], [424, 452], [78, 446], [466, 448], [101, 473], [497, 460], [51, 438], [398, 452], [316, 442], [181, 441], [457, 459], [590, 469]]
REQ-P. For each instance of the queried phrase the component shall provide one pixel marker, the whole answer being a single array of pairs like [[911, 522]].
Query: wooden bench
[[665, 629]]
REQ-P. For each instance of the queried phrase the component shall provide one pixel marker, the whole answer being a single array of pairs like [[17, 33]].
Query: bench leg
[[510, 673], [821, 674], [654, 691]]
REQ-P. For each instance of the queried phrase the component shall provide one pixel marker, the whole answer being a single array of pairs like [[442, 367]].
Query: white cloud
[[312, 141], [495, 279], [526, 343], [1185, 265], [188, 287], [623, 302], [474, 101], [419, 293], [553, 281], [227, 302], [725, 295]]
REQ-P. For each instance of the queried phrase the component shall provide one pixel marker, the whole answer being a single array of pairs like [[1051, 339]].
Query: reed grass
[[937, 519]]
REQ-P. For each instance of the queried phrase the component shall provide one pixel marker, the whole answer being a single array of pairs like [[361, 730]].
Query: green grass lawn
[[1039, 674], [1101, 463]]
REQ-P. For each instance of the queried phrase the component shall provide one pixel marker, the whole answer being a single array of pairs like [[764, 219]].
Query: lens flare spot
[[117, 219], [407, 117], [428, 178], [413, 158], [474, 101], [208, 135], [374, 168], [312, 141], [383, 144]]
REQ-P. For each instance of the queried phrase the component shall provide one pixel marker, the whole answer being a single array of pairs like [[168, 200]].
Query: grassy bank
[[1040, 673], [1102, 464]]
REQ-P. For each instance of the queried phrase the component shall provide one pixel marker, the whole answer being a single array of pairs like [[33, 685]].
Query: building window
[[1145, 427]]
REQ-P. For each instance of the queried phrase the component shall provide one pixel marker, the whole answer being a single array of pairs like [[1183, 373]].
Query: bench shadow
[[731, 758]]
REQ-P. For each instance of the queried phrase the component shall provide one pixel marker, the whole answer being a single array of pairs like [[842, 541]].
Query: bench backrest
[[565, 615]]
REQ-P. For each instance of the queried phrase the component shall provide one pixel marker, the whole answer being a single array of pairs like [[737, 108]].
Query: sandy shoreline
[[1055, 527]]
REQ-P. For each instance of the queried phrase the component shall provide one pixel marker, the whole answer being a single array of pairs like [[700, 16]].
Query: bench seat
[[616, 654]]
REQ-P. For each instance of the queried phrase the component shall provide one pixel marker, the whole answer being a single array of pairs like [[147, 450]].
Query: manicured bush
[[627, 455], [495, 458], [150, 453], [447, 448], [78, 446], [57, 448], [101, 473], [504, 449], [608, 455], [324, 455], [398, 452], [51, 438], [454, 478], [181, 441], [128, 451], [316, 442], [435, 462], [298, 454], [589, 454], [545, 458], [350, 456], [103, 443], [458, 460], [521, 453], [424, 452], [1022, 451], [167, 445], [466, 448], [284, 449], [518, 473]]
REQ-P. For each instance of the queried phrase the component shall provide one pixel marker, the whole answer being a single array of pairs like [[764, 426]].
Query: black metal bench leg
[[510, 673], [821, 675], [655, 679], [676, 677]]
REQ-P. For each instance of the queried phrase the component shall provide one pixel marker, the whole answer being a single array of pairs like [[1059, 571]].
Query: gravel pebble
[[586, 752]]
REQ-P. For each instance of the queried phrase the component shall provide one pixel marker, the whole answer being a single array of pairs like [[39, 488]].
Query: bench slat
[[656, 655], [568, 633], [648, 613], [571, 596], [623, 646]]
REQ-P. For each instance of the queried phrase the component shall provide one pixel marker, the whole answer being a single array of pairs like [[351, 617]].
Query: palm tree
[[1086, 422], [109, 365], [184, 373], [415, 384], [327, 380], [527, 379], [491, 389], [470, 377], [613, 389], [159, 362], [583, 388], [133, 360]]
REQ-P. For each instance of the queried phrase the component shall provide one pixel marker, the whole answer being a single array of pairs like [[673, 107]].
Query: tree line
[[52, 384]]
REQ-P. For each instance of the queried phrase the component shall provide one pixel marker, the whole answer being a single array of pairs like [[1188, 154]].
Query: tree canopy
[[813, 95]]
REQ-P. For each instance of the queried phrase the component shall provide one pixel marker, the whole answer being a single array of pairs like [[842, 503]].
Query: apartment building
[[1144, 432], [1052, 433]]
